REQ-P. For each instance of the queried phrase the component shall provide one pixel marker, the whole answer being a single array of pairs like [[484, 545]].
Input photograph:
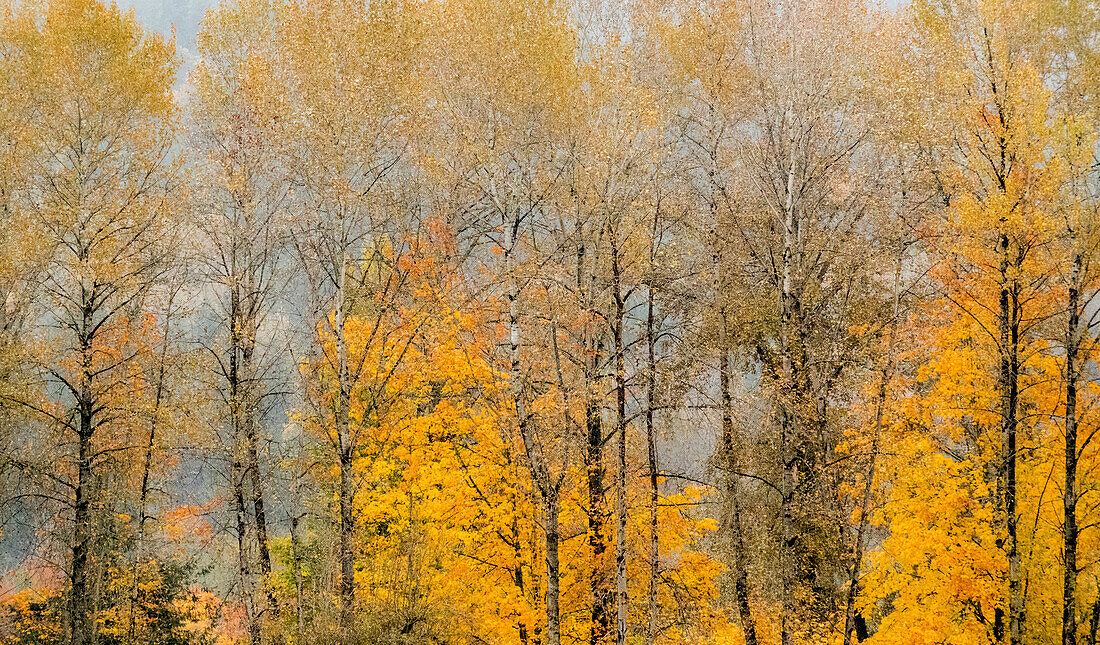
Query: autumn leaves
[[525, 322]]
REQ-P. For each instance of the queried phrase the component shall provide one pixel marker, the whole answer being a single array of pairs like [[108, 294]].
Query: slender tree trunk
[[651, 462], [731, 463], [599, 585], [346, 456], [81, 620], [257, 489], [252, 466], [621, 591], [244, 569], [597, 544], [237, 392], [540, 472], [1069, 496], [517, 574], [737, 533], [787, 386], [1009, 390], [553, 569]]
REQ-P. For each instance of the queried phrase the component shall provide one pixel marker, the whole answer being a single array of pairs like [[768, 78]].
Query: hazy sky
[[186, 14]]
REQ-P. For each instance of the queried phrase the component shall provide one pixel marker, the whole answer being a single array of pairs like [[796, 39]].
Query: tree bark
[[1009, 393], [256, 485], [787, 386], [346, 456], [1069, 496], [599, 585], [621, 591], [731, 464], [81, 620], [540, 473], [653, 466], [553, 569], [244, 569], [246, 338], [236, 378]]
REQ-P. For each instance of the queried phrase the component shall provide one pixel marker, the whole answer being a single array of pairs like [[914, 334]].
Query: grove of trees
[[533, 322]]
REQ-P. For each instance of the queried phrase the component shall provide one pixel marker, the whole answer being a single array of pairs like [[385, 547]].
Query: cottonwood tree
[[777, 128], [504, 110], [236, 115], [350, 121], [104, 122]]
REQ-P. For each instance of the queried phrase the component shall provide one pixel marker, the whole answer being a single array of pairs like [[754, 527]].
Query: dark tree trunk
[[553, 568], [653, 466], [621, 591], [1009, 330], [517, 574], [1069, 497], [83, 629], [730, 463], [599, 584], [787, 386], [81, 618], [256, 485], [600, 587], [236, 381], [244, 568], [346, 456]]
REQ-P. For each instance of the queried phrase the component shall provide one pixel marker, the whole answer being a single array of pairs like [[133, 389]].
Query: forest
[[545, 322]]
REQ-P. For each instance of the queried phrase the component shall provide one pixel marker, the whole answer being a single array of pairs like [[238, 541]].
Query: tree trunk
[[540, 472], [82, 626], [81, 619], [740, 553], [599, 585], [621, 597], [1069, 497], [256, 485], [346, 456], [653, 466], [242, 551], [249, 403], [1009, 392], [517, 573], [237, 392], [553, 570], [731, 464], [787, 386]]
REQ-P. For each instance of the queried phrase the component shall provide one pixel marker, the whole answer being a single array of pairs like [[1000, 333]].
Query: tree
[[104, 125], [237, 115], [347, 138]]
